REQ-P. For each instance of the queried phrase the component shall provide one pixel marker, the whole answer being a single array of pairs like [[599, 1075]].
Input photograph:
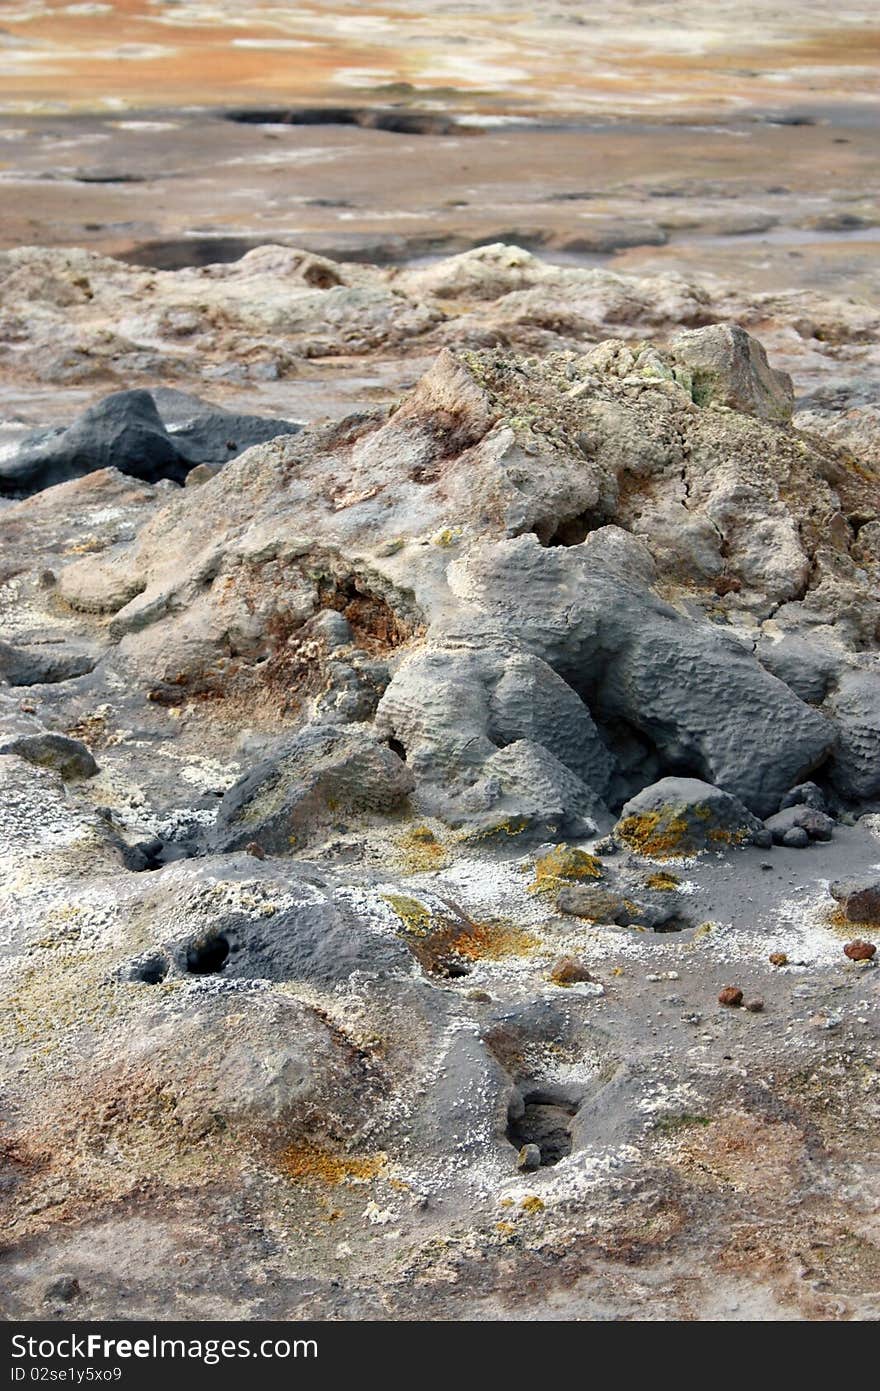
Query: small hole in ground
[[208, 957], [151, 971], [545, 1123], [569, 531], [396, 747]]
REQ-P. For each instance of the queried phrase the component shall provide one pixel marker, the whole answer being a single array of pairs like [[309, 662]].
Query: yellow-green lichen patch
[[448, 536], [564, 864], [422, 851], [665, 834], [315, 1164], [840, 923], [663, 880], [454, 944], [510, 826], [657, 834], [673, 1125], [415, 916]]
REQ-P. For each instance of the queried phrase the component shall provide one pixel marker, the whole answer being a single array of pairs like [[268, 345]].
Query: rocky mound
[[385, 818], [71, 316], [550, 582]]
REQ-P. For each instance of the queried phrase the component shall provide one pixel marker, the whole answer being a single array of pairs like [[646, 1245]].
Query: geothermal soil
[[296, 966]]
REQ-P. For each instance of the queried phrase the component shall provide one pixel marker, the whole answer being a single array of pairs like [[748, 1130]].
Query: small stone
[[254, 848], [479, 997], [796, 839], [730, 996], [755, 1006], [778, 958], [528, 1159], [568, 970], [857, 950]]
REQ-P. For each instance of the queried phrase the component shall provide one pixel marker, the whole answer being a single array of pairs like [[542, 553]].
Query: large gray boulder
[[683, 816], [498, 733], [695, 692], [321, 777], [523, 788]]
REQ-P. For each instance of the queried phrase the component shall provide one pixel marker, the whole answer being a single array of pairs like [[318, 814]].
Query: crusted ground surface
[[437, 760]]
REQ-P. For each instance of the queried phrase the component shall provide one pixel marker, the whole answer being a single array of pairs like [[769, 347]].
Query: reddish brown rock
[[730, 996]]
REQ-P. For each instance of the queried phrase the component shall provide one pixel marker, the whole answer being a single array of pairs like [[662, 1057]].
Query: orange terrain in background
[[642, 59]]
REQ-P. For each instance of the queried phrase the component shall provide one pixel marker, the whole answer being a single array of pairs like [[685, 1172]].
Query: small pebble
[[730, 996], [569, 970], [857, 950], [778, 958], [528, 1159], [755, 1006]]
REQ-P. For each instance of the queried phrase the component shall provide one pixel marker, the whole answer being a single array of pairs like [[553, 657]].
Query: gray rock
[[66, 756], [528, 1159], [524, 788], [124, 431], [806, 794], [796, 838], [620, 903], [209, 434], [150, 435], [807, 667], [730, 367], [321, 777], [682, 816], [692, 690], [815, 824], [855, 708], [47, 663], [452, 708]]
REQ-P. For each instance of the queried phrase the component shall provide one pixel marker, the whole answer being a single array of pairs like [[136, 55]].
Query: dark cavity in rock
[[208, 957], [546, 1122]]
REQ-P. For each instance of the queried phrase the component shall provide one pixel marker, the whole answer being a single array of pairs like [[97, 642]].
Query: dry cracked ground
[[441, 813]]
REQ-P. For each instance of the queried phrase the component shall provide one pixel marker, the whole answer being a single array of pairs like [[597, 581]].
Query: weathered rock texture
[[314, 773]]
